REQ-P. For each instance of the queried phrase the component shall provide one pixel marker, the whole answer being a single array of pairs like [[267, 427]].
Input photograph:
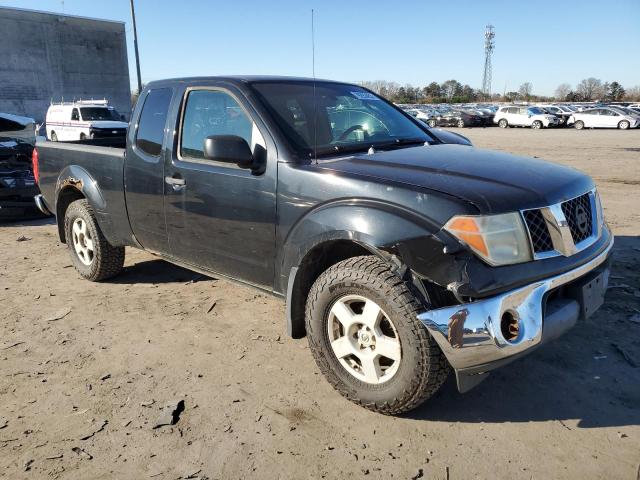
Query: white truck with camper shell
[[83, 119]]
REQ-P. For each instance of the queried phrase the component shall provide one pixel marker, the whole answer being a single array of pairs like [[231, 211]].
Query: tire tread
[[432, 369]]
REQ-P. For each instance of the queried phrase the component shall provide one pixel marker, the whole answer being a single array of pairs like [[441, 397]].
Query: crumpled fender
[[374, 225]]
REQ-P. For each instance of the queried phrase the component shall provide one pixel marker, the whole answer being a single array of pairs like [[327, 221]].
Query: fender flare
[[74, 177], [373, 226]]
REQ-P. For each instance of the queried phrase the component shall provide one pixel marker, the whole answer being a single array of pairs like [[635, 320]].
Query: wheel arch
[[326, 237], [74, 183]]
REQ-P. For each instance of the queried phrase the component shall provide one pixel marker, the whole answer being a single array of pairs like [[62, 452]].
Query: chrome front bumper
[[471, 337]]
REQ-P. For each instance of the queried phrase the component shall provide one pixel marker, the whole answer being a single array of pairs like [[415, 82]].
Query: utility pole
[[135, 46]]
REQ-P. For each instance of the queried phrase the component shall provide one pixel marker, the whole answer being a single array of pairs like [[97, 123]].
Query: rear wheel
[[54, 137], [460, 123], [365, 337], [624, 125], [431, 123], [537, 124], [503, 123], [579, 125], [93, 257]]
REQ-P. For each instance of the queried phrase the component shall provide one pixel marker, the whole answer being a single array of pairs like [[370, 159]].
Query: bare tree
[[562, 91], [590, 89], [633, 94], [525, 90]]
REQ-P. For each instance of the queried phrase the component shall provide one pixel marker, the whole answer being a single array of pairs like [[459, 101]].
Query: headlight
[[497, 239]]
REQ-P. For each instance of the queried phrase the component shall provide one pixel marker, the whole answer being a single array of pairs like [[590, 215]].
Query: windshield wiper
[[400, 142]]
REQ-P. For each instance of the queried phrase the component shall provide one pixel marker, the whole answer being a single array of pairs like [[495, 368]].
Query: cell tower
[[489, 45]]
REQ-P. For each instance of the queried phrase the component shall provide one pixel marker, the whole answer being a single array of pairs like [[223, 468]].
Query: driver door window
[[214, 112], [75, 115]]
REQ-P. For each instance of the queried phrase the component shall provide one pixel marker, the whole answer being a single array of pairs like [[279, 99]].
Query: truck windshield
[[336, 118], [99, 113]]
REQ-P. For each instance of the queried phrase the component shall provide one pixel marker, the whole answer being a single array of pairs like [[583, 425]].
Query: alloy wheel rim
[[82, 241], [364, 339]]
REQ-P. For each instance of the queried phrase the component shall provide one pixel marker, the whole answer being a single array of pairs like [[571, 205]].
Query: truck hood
[[494, 182], [107, 124]]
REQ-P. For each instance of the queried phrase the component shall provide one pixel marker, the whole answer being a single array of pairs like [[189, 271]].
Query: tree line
[[452, 91]]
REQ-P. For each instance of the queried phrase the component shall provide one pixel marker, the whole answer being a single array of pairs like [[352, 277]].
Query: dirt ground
[[86, 368]]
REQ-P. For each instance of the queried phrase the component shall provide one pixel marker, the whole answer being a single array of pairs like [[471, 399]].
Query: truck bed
[[97, 168]]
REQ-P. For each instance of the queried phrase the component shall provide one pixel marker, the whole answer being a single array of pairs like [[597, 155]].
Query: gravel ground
[[87, 370]]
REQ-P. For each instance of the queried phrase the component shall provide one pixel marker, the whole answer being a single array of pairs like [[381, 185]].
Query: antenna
[[489, 45], [315, 101], [313, 44]]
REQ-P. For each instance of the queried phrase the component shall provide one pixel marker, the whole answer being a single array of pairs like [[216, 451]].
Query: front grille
[[578, 214], [540, 237]]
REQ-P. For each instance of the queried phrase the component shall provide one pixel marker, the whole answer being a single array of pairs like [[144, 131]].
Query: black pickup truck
[[401, 255]]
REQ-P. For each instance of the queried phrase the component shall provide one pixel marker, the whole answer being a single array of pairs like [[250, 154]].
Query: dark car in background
[[17, 183], [456, 118]]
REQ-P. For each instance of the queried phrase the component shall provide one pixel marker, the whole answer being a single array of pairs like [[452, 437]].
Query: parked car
[[563, 113], [401, 257], [607, 117], [83, 119], [17, 183], [521, 116], [456, 118]]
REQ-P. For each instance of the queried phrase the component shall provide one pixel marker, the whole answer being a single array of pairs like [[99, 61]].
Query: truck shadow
[[158, 271], [583, 380], [35, 220]]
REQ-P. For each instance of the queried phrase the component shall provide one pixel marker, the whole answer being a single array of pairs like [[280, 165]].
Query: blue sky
[[408, 41]]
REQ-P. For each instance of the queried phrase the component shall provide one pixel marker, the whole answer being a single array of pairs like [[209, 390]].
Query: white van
[[82, 120]]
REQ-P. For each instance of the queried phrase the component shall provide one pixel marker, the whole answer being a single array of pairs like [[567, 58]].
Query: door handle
[[177, 183]]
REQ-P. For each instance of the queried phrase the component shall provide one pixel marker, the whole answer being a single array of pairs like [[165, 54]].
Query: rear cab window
[[152, 121]]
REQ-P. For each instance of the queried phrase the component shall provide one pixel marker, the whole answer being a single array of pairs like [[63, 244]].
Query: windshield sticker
[[364, 96]]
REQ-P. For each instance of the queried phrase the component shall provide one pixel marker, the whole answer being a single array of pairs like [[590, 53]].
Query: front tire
[[624, 125], [431, 123], [83, 136], [537, 124], [503, 123], [460, 123], [366, 340], [92, 255]]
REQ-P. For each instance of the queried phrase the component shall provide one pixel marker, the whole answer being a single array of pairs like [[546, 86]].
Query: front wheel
[[624, 125], [92, 255], [460, 123], [431, 123], [366, 340], [503, 123], [537, 124], [579, 125]]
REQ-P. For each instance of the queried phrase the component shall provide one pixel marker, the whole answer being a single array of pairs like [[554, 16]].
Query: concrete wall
[[45, 56]]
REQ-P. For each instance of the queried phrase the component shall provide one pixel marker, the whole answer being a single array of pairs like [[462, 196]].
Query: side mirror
[[228, 148]]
